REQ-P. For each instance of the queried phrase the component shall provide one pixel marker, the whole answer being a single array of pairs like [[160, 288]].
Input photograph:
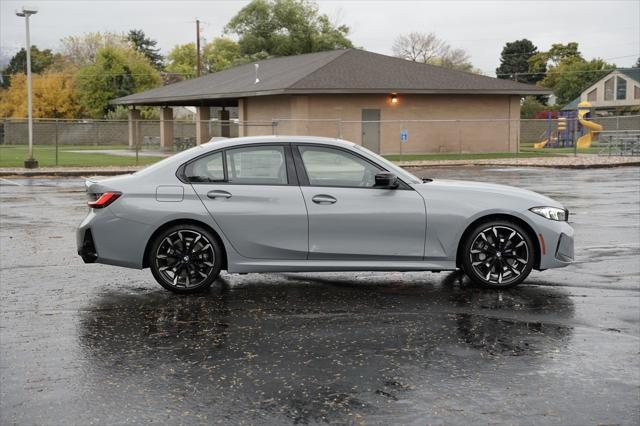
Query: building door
[[371, 129]]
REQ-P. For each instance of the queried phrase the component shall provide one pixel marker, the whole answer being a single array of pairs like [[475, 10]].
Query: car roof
[[217, 143]]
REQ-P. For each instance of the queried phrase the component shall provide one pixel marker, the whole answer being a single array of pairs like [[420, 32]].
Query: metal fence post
[[459, 138], [56, 139]]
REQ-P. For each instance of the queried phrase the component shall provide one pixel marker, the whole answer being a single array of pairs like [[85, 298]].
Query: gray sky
[[606, 29]]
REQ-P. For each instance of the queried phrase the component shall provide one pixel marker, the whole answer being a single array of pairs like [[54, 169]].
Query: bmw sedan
[[294, 204]]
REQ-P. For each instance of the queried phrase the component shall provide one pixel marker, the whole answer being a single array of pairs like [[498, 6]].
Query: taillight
[[104, 200]]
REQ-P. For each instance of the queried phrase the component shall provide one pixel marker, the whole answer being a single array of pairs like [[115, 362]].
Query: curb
[[548, 166]]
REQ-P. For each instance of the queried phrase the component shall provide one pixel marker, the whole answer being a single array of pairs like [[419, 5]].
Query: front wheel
[[185, 258], [498, 254]]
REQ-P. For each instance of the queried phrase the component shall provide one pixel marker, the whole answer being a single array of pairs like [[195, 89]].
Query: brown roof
[[336, 71]]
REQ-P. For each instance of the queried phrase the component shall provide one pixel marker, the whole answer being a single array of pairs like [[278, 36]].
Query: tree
[[147, 47], [117, 71], [182, 60], [429, 49], [637, 64], [53, 96], [40, 61], [514, 62], [573, 75], [285, 27], [82, 50], [220, 54], [542, 62]]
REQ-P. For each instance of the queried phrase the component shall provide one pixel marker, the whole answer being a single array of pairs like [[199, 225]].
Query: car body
[[293, 204]]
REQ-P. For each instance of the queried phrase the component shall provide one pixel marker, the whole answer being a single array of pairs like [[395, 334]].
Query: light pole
[[29, 163]]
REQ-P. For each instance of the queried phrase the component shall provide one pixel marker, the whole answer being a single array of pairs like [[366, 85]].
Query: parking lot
[[94, 344]]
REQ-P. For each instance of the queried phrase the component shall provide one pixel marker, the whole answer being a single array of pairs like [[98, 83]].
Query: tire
[[498, 254], [185, 258]]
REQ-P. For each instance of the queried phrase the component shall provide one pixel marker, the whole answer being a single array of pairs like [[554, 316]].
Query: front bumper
[[555, 240]]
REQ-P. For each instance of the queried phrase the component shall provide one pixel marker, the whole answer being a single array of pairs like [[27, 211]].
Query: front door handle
[[218, 194], [323, 199]]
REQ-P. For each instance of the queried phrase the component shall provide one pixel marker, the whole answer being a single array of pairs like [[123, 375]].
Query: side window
[[206, 169], [257, 165], [334, 167], [621, 89]]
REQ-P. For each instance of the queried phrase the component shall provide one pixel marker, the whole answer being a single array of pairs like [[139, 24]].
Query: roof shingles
[[336, 71]]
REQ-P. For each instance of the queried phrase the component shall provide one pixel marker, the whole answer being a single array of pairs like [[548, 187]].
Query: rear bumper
[[105, 238], [86, 246]]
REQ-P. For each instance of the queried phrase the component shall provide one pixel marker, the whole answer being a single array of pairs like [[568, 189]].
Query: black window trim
[[292, 177], [303, 178]]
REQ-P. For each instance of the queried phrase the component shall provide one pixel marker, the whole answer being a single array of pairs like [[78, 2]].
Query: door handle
[[218, 194], [323, 199]]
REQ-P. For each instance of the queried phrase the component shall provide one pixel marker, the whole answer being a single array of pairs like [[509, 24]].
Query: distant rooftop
[[336, 71]]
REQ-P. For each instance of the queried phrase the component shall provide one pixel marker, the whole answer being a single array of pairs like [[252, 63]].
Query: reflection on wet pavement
[[92, 344]]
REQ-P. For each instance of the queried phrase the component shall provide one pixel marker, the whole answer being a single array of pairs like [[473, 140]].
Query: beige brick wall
[[306, 111]]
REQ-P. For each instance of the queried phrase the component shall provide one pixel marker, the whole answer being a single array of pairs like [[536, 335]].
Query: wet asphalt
[[94, 344]]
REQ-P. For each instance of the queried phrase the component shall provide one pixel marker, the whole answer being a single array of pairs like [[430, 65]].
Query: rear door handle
[[323, 199], [218, 194]]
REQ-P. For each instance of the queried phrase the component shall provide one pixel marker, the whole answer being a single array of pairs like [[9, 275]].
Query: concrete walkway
[[584, 161]]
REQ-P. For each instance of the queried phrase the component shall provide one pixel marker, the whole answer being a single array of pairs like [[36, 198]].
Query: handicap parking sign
[[404, 135]]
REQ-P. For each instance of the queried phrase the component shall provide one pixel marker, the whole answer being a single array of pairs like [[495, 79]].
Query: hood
[[487, 191]]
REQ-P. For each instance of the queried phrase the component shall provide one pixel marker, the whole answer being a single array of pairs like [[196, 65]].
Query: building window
[[636, 92], [608, 90], [621, 89], [592, 96]]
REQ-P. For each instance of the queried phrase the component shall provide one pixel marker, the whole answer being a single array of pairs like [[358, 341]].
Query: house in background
[[617, 93], [374, 100]]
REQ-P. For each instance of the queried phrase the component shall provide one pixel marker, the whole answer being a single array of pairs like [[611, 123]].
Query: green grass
[[14, 156]]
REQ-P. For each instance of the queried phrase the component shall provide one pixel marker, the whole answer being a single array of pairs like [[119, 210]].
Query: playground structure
[[573, 127]]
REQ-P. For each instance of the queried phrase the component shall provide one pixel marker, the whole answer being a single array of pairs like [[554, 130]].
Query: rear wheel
[[185, 258], [498, 254]]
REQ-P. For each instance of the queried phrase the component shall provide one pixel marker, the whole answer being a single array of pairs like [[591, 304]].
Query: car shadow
[[312, 347]]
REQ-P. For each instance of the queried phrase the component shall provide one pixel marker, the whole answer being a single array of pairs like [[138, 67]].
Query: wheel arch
[[500, 216], [145, 261]]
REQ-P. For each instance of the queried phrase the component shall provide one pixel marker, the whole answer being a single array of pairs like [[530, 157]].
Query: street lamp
[[29, 163]]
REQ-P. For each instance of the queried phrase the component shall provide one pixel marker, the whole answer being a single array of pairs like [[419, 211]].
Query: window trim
[[303, 177], [292, 178]]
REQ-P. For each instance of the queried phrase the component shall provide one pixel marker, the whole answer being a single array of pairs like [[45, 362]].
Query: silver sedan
[[293, 204]]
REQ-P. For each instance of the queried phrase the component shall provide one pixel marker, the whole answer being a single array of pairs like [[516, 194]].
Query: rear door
[[252, 193]]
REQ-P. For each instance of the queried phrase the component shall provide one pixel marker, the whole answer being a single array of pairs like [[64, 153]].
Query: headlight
[[551, 213]]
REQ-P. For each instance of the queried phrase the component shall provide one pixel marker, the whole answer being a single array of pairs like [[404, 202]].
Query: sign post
[[404, 138]]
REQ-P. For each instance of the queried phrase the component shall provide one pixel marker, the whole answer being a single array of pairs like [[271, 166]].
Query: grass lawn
[[14, 156]]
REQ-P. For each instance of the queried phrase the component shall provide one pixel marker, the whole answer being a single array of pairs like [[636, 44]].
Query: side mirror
[[386, 180]]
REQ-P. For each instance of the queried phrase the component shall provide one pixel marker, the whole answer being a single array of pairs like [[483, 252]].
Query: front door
[[255, 200], [371, 129], [349, 219]]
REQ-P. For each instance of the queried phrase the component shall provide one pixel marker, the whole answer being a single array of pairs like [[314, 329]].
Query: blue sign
[[404, 135]]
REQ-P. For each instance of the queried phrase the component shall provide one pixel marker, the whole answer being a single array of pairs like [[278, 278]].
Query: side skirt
[[255, 265]]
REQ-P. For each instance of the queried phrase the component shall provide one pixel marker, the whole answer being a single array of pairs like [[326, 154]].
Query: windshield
[[390, 166]]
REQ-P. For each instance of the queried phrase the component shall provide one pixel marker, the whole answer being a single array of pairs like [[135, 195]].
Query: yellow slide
[[540, 144], [584, 141]]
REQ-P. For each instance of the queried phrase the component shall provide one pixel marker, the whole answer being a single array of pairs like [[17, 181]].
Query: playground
[[572, 128]]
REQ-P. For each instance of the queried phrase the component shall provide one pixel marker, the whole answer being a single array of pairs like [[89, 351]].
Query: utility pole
[[198, 61], [29, 163]]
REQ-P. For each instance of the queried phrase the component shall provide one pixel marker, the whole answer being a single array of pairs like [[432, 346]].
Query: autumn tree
[[116, 72], [429, 49], [53, 96]]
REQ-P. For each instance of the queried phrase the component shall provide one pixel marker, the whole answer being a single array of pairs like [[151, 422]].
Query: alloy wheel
[[499, 254], [185, 258]]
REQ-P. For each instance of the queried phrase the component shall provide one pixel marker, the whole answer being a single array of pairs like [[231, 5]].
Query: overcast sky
[[606, 29]]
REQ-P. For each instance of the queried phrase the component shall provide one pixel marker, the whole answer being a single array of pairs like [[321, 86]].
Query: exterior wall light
[[394, 99]]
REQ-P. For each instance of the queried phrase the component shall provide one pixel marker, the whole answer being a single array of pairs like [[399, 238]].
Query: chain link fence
[[393, 138]]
